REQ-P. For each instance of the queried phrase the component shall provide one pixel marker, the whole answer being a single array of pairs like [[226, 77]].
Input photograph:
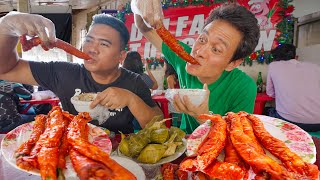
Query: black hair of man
[[169, 69], [244, 21], [284, 52], [116, 24], [133, 62]]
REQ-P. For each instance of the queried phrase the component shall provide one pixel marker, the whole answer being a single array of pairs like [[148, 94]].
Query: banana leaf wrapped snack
[[152, 143], [152, 153], [171, 145], [159, 135], [180, 134], [132, 145]]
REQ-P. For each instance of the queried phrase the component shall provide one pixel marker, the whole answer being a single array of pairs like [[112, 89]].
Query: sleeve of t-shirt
[[245, 98], [172, 57], [269, 85], [144, 92], [147, 80], [49, 74]]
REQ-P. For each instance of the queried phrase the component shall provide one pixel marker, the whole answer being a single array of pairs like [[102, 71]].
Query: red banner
[[186, 24]]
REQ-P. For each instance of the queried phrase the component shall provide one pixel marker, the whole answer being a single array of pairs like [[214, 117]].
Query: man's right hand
[[149, 10], [17, 24]]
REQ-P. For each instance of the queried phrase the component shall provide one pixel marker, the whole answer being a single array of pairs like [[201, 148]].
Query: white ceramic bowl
[[196, 96]]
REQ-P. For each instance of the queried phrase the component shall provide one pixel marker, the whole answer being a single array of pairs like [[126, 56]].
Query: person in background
[[23, 92], [41, 94], [171, 76], [10, 118], [229, 34], [133, 62], [172, 82], [122, 92], [295, 85]]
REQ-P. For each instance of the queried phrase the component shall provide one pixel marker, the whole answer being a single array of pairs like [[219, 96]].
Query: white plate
[[132, 166], [20, 134], [296, 139]]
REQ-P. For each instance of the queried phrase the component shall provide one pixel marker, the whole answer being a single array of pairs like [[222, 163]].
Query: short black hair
[[133, 62], [244, 21], [116, 24], [284, 52], [169, 70]]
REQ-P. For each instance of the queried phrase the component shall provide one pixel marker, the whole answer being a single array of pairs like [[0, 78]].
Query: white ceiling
[[7, 5]]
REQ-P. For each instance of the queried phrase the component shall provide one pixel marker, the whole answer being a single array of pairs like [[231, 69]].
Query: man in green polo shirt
[[230, 33]]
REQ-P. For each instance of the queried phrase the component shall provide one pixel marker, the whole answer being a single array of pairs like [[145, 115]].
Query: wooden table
[[53, 102], [260, 102]]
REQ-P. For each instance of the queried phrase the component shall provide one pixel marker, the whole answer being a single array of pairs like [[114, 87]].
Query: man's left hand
[[184, 105]]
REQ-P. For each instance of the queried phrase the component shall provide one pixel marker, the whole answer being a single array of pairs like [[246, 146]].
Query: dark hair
[[284, 52], [244, 21], [116, 24], [169, 69], [133, 62]]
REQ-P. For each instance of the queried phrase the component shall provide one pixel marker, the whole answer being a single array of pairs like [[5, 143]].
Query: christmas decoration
[[284, 35], [154, 62]]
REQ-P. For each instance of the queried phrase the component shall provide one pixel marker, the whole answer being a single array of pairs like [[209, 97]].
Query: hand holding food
[[35, 41], [152, 15], [150, 11], [18, 24], [113, 98], [186, 103]]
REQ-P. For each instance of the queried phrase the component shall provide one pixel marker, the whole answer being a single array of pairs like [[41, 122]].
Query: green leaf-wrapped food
[[156, 123], [152, 153], [124, 146], [136, 143], [159, 136], [153, 120], [171, 148], [180, 134]]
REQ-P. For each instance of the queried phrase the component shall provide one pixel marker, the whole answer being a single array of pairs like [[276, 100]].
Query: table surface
[[260, 97], [53, 102], [263, 97]]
